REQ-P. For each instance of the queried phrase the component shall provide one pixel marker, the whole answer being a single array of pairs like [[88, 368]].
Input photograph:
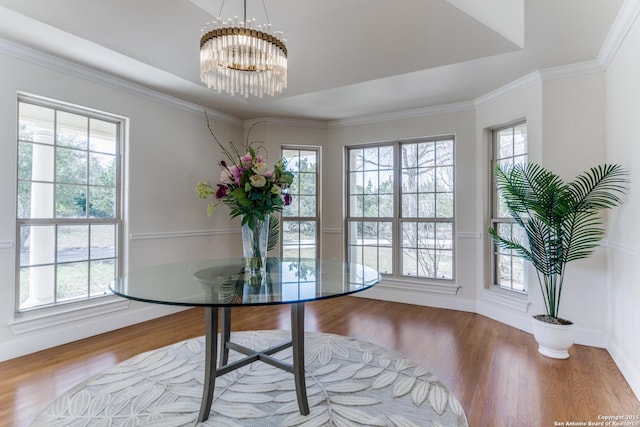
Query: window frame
[[318, 190], [494, 219], [117, 221], [397, 219]]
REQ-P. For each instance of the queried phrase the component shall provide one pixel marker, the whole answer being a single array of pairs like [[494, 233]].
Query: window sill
[[55, 316], [512, 299], [439, 288]]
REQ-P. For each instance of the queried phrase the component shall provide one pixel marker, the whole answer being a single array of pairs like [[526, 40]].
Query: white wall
[[169, 150], [623, 146], [574, 141]]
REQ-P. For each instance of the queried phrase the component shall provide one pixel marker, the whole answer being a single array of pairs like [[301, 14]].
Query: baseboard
[[497, 312], [427, 299], [629, 369], [43, 339]]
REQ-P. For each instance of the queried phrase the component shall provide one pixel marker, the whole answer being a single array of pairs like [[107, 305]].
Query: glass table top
[[224, 282]]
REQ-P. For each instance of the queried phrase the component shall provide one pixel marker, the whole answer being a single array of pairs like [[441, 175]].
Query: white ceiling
[[347, 58]]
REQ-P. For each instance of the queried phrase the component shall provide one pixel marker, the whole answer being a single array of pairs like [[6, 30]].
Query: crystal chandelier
[[238, 57]]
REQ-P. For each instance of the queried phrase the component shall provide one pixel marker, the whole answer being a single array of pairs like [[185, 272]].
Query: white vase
[[553, 340]]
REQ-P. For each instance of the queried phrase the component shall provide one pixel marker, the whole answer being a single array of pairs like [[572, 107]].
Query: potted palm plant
[[562, 224]]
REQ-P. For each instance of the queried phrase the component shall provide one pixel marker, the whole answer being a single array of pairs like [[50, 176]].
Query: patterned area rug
[[349, 382]]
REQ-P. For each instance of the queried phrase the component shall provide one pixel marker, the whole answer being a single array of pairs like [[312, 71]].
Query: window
[[400, 207], [300, 219], [509, 148], [68, 208]]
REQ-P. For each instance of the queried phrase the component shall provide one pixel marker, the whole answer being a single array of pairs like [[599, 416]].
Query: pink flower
[[236, 172], [246, 160], [225, 178]]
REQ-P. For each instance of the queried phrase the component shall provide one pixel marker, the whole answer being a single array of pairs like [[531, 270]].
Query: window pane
[[103, 136], [385, 265], [71, 166], [308, 232], [386, 206], [505, 143], [103, 241], [427, 205], [35, 162], [73, 243], [427, 180], [308, 161], [370, 160], [444, 236], [356, 160], [102, 273], [444, 265], [102, 170], [409, 262], [520, 140], [102, 202], [444, 179], [35, 123], [409, 235], [72, 281], [35, 200], [37, 286], [356, 183], [37, 244], [370, 206], [71, 201], [409, 205], [307, 183], [409, 156], [444, 205], [292, 209], [426, 155], [72, 130]]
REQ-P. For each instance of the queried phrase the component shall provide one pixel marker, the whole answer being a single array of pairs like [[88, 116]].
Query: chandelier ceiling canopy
[[239, 57]]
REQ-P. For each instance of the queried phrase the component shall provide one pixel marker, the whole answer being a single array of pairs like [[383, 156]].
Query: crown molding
[[51, 62], [515, 86], [627, 15], [403, 114], [572, 70]]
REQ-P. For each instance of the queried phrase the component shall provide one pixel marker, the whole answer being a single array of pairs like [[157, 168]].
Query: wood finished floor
[[493, 369]]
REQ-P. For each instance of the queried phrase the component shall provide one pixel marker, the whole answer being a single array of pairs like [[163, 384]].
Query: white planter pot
[[554, 340]]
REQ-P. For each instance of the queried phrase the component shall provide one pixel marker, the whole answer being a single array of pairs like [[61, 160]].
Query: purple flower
[[221, 192], [287, 199]]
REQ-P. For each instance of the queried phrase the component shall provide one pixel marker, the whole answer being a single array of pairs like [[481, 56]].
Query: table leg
[[297, 337], [211, 342], [225, 335]]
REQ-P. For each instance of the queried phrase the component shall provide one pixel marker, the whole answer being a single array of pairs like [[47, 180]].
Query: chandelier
[[240, 57]]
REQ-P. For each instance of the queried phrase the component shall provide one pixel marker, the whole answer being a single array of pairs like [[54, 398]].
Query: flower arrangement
[[247, 185]]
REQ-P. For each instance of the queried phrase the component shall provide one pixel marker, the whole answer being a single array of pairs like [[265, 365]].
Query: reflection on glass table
[[224, 284]]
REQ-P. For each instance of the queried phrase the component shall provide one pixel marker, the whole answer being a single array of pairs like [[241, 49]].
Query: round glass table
[[219, 285]]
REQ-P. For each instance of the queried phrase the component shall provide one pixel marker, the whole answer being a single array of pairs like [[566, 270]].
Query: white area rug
[[349, 382]]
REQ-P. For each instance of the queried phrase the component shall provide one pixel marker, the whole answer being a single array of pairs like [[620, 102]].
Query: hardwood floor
[[493, 369]]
